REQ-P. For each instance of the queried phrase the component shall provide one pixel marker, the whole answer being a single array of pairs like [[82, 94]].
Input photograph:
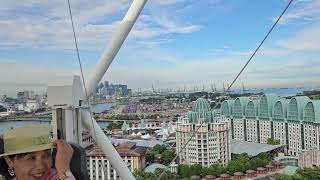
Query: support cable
[[80, 65], [256, 50], [82, 75], [251, 57]]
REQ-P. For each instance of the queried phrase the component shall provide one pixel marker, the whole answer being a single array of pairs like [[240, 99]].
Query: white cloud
[[307, 10], [95, 23], [273, 73], [51, 29], [306, 39]]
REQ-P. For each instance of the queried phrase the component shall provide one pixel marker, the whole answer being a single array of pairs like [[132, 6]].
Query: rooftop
[[142, 143], [125, 149], [251, 148]]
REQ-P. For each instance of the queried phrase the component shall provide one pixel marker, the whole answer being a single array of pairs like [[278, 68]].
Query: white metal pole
[[115, 44], [106, 146], [102, 66]]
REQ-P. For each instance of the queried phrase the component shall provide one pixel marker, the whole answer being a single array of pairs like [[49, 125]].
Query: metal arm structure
[[110, 52], [102, 66]]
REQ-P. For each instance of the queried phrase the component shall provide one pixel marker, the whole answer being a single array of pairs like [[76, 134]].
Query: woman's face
[[32, 166]]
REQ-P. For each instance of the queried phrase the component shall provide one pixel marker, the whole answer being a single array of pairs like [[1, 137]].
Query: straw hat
[[27, 139]]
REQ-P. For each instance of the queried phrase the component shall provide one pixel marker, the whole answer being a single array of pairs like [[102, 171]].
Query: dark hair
[[4, 169], [3, 164]]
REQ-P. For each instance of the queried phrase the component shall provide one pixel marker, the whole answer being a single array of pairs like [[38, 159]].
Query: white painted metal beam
[[106, 146], [102, 66], [115, 44]]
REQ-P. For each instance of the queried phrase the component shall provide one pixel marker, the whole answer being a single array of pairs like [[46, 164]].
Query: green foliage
[[166, 175], [239, 163], [2, 109], [205, 171], [258, 162], [167, 156], [243, 162], [241, 157], [183, 170], [264, 156], [195, 169], [302, 174], [186, 171], [150, 156], [154, 116], [287, 177], [159, 148], [238, 166], [216, 169], [114, 125], [141, 175], [309, 173], [122, 116], [150, 100], [273, 141]]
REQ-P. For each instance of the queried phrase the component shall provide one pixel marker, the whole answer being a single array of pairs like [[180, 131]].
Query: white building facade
[[99, 166], [32, 105], [100, 169], [210, 139], [294, 122]]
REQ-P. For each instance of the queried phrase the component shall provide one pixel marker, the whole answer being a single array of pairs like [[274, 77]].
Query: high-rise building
[[294, 122], [210, 137]]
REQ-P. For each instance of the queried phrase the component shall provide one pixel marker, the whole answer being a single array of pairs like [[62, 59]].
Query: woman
[[27, 152]]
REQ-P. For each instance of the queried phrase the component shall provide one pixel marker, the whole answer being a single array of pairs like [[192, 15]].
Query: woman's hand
[[63, 156]]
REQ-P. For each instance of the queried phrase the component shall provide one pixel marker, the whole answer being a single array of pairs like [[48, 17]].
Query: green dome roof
[[201, 105], [296, 107]]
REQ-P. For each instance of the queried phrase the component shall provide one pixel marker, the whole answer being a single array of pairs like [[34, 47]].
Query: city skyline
[[174, 43]]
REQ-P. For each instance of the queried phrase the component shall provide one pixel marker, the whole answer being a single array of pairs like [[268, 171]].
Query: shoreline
[[17, 120]]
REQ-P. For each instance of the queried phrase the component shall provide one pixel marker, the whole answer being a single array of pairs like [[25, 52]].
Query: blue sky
[[175, 43]]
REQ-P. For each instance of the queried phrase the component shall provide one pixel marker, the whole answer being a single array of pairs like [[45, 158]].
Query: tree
[[264, 155], [141, 175], [242, 157], [166, 175], [195, 169], [167, 156], [237, 166], [205, 171], [150, 155], [309, 173], [159, 148], [184, 170], [114, 125], [273, 141], [257, 162], [288, 177], [216, 169]]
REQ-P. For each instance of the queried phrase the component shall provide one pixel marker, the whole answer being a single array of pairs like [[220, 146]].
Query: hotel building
[[210, 139], [294, 122]]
